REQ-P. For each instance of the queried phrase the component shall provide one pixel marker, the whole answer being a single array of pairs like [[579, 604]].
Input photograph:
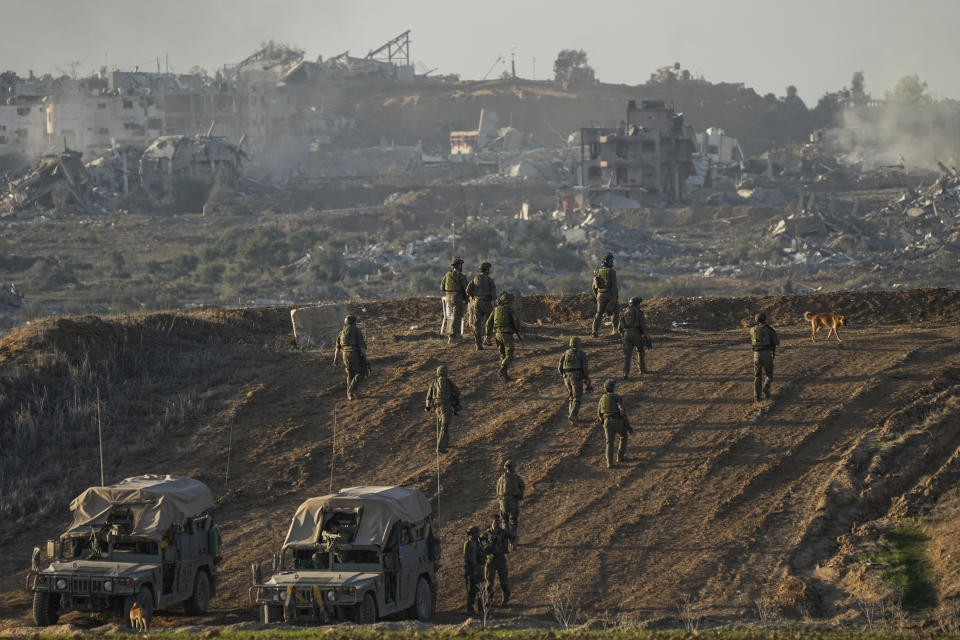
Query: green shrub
[[210, 272], [186, 263]]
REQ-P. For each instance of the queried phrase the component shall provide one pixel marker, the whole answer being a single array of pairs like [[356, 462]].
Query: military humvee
[[360, 554], [148, 540]]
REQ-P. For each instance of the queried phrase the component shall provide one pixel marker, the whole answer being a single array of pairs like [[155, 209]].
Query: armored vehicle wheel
[[367, 610], [270, 613], [145, 600], [424, 602], [45, 608], [201, 594]]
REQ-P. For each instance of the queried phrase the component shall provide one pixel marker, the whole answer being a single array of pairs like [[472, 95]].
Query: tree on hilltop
[[571, 67]]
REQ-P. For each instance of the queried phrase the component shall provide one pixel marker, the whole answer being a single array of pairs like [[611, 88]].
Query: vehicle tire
[[200, 598], [271, 613], [367, 610], [145, 599], [425, 601], [45, 606]]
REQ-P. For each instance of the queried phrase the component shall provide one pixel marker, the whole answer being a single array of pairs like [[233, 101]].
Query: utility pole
[[513, 63]]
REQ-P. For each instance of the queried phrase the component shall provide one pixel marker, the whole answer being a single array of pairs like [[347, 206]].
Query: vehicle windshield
[[109, 547], [332, 558]]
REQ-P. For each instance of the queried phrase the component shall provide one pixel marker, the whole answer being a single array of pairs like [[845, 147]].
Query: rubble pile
[[915, 224], [55, 180]]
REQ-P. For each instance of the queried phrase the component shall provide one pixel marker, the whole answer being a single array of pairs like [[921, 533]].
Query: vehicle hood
[[98, 568], [321, 578]]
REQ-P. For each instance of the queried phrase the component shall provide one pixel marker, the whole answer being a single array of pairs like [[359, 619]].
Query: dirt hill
[[724, 504]]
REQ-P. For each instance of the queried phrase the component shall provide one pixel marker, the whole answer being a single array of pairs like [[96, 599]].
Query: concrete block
[[318, 326]]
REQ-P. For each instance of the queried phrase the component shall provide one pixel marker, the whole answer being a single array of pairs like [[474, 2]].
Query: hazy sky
[[814, 44]]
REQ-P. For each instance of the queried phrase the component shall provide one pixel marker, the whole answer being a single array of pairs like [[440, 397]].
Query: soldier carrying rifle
[[353, 348], [614, 421]]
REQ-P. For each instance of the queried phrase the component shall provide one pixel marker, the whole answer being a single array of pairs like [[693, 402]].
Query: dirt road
[[722, 501]]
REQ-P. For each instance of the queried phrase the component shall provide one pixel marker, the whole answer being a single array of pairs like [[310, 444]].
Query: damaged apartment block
[[211, 160], [646, 158]]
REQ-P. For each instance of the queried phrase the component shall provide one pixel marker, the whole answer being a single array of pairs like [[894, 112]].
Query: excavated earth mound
[[722, 503]]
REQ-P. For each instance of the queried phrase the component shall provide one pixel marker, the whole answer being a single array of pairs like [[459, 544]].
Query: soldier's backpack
[[608, 405], [503, 318], [451, 282], [603, 278], [571, 360]]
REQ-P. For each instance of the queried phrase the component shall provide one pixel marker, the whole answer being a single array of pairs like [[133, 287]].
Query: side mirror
[[257, 573], [276, 561], [34, 563], [53, 549]]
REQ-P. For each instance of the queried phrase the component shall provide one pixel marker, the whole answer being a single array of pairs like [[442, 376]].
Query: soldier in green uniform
[[444, 397], [573, 367], [482, 291], [506, 323], [633, 328], [510, 488], [764, 341], [473, 563], [454, 287], [605, 292], [496, 545], [353, 348], [615, 423]]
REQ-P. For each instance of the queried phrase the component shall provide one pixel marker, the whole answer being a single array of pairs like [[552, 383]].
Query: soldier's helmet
[[760, 317], [485, 267], [608, 259], [610, 384], [350, 319], [575, 342], [474, 530], [508, 464], [442, 371], [456, 260], [635, 300]]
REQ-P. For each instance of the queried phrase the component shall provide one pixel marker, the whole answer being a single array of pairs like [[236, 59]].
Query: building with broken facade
[[273, 99], [213, 161], [647, 157]]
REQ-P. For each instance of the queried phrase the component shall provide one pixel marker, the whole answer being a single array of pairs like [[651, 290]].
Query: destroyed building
[[54, 181], [212, 160], [489, 136], [647, 157], [272, 97]]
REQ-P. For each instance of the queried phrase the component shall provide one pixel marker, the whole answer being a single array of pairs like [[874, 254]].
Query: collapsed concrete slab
[[318, 326]]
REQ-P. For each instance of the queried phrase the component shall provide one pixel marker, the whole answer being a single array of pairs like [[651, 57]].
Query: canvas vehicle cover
[[167, 499], [382, 507]]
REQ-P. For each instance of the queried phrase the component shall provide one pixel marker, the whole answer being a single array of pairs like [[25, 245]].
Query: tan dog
[[829, 320], [138, 622]]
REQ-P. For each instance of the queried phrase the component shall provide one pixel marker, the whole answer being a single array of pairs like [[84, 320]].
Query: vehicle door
[[411, 551]]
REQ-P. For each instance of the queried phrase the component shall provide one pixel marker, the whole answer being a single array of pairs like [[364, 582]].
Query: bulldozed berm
[[721, 504]]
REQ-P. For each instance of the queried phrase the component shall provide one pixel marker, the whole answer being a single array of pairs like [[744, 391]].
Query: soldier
[[510, 488], [473, 564], [444, 396], [454, 287], [764, 341], [482, 291], [605, 292], [506, 323], [615, 423], [633, 328], [353, 347], [573, 368], [496, 546]]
